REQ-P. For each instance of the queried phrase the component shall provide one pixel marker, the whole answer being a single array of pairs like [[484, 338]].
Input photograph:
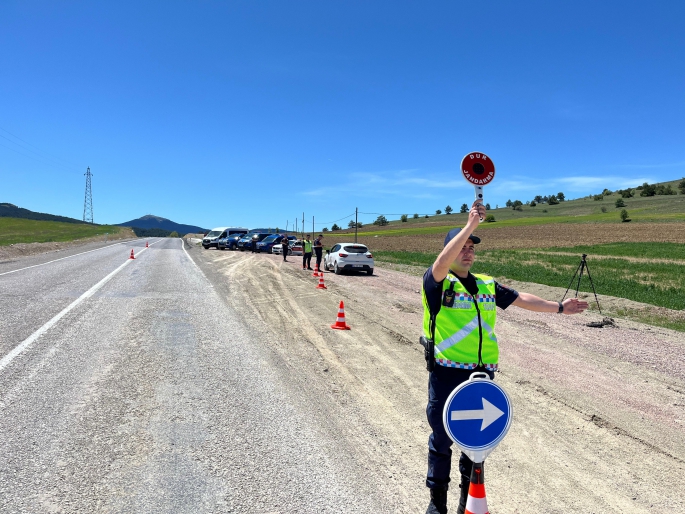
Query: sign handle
[[479, 195]]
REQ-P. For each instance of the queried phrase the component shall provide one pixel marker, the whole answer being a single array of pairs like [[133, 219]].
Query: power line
[[34, 146]]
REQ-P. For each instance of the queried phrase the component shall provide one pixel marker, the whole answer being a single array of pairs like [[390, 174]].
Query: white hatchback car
[[348, 257]]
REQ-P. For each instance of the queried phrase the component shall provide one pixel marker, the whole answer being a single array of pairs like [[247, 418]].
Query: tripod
[[579, 271]]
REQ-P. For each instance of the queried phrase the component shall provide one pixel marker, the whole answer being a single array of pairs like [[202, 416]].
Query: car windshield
[[271, 239], [214, 233], [355, 249]]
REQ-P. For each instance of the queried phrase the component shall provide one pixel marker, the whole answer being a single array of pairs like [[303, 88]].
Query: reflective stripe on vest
[[457, 334]]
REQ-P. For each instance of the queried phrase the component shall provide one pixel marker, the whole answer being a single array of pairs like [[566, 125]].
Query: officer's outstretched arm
[[535, 303]]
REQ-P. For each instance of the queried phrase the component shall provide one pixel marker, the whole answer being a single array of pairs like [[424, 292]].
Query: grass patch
[[674, 251], [19, 230], [659, 284]]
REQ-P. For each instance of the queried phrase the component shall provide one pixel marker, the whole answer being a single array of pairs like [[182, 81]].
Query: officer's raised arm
[[442, 264]]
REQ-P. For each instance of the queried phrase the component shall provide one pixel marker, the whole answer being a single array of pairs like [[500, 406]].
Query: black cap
[[452, 234]]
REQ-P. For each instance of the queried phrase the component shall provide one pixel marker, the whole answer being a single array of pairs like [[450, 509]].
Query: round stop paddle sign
[[478, 169]]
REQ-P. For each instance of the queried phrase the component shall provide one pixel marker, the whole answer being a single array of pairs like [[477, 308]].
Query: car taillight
[[343, 255], [369, 255]]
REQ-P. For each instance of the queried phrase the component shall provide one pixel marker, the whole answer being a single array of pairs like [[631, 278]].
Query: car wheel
[[290, 252], [325, 266], [205, 247], [221, 248], [369, 271], [337, 270]]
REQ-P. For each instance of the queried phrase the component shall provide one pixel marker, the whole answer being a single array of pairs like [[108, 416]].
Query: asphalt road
[[132, 386]]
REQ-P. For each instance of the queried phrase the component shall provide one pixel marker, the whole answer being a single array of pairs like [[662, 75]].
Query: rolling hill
[[151, 221]]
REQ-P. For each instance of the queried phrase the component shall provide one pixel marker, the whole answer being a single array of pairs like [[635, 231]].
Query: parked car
[[296, 248], [229, 242], [278, 248], [246, 242], [267, 243], [212, 238], [348, 257]]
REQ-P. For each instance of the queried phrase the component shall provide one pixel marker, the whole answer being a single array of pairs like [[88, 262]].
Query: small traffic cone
[[321, 284], [131, 257], [477, 503], [146, 245], [316, 271], [340, 323]]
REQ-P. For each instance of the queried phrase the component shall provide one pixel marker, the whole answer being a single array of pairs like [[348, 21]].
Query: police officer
[[307, 253], [318, 249], [285, 242], [459, 316]]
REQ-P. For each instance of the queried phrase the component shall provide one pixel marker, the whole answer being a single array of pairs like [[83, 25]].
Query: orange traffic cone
[[321, 284], [316, 271], [340, 323], [131, 257], [146, 245], [476, 503]]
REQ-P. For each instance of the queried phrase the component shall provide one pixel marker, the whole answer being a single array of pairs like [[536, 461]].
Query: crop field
[[17, 230]]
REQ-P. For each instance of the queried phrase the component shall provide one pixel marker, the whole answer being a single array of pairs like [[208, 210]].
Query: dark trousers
[[307, 260], [441, 382], [319, 254]]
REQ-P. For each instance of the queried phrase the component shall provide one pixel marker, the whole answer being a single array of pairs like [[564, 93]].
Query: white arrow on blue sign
[[477, 416]]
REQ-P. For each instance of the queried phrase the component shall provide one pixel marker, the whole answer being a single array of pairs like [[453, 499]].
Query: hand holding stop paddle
[[479, 170]]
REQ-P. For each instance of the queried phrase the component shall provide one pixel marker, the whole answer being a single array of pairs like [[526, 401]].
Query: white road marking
[[189, 257], [4, 362], [61, 259]]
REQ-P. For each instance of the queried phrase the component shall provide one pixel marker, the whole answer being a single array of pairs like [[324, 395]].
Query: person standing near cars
[[285, 243], [459, 317], [318, 248], [307, 253]]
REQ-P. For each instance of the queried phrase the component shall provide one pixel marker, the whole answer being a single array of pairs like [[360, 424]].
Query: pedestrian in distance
[[307, 253], [318, 248], [459, 317], [285, 242]]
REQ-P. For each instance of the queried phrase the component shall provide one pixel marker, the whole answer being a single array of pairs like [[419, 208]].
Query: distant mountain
[[150, 221], [9, 210]]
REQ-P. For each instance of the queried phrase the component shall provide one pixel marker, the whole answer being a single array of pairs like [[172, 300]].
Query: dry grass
[[538, 236]]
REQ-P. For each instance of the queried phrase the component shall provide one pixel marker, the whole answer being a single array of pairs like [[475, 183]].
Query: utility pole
[[356, 212], [303, 225], [88, 202], [313, 226]]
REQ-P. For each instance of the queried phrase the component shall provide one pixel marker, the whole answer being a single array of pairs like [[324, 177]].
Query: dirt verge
[[599, 414]]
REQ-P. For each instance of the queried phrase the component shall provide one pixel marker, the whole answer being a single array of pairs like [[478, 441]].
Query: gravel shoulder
[[593, 408]]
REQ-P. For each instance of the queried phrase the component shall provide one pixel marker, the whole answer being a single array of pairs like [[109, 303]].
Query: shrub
[[544, 210], [487, 205], [604, 209], [403, 218], [335, 227], [516, 205], [416, 216], [681, 186], [490, 218], [509, 203], [626, 193], [438, 211], [647, 190], [464, 208], [382, 221], [173, 234], [620, 203], [533, 204], [426, 216], [448, 210], [624, 215], [325, 229], [553, 200], [561, 196], [606, 192], [598, 197]]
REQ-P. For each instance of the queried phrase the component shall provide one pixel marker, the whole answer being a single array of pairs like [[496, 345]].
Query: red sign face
[[478, 169]]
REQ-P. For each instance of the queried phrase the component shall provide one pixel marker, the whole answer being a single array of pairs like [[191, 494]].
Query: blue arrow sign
[[477, 416]]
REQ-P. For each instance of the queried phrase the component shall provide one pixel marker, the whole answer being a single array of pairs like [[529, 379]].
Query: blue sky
[[251, 112]]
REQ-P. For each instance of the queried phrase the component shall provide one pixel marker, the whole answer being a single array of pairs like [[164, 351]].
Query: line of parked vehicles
[[340, 258]]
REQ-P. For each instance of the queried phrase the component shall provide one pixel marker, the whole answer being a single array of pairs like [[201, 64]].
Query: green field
[[624, 270], [18, 230]]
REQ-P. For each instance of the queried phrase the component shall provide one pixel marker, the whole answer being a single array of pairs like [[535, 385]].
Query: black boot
[[464, 486], [438, 504]]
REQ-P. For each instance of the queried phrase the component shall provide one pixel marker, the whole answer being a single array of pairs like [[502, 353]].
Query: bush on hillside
[[464, 208], [403, 218], [620, 203], [335, 227], [624, 215], [448, 210], [553, 200], [490, 218]]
